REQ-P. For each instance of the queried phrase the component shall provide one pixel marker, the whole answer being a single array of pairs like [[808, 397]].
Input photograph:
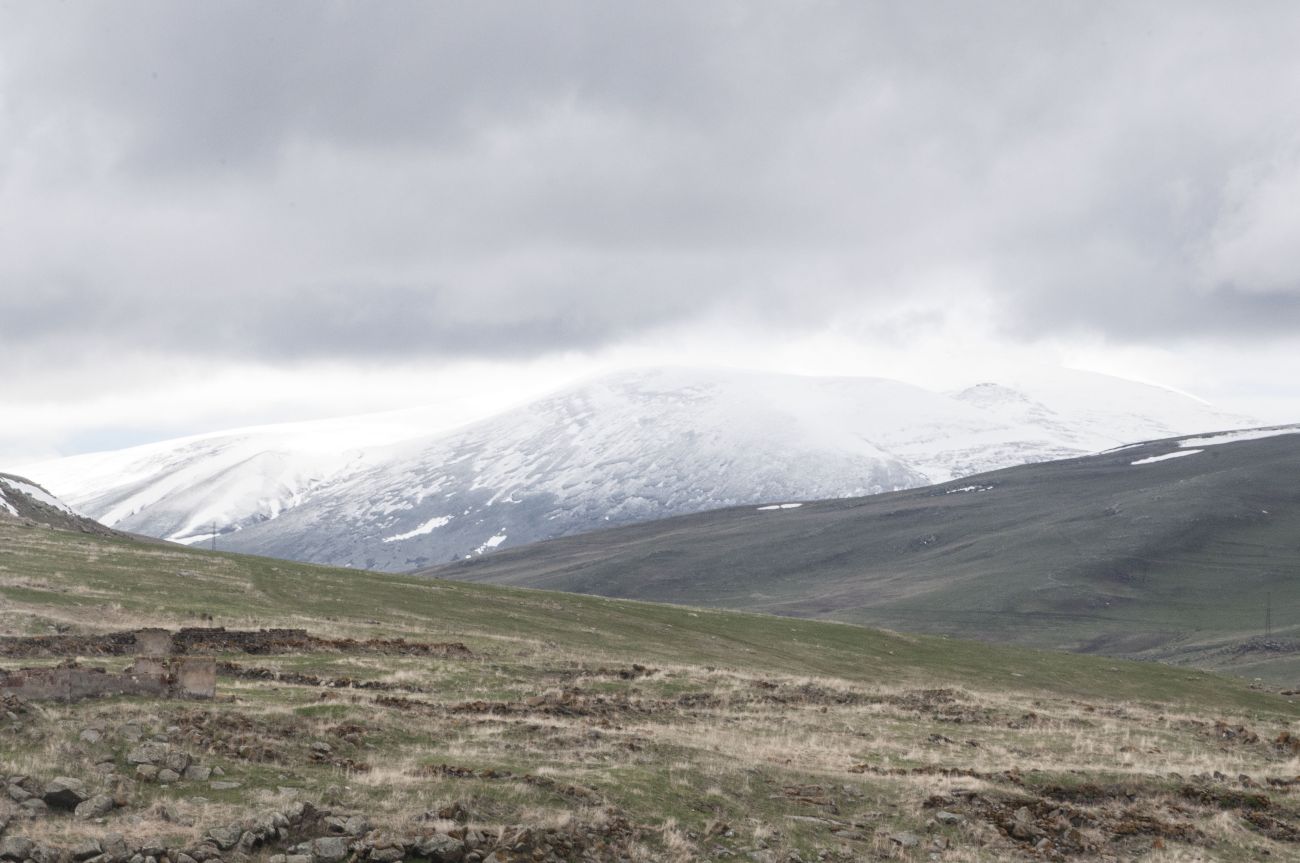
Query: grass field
[[714, 735]]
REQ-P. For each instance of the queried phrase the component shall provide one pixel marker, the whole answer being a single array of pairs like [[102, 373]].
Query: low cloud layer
[[285, 185]]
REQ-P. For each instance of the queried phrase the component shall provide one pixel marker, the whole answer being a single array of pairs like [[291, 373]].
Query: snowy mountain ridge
[[628, 447]]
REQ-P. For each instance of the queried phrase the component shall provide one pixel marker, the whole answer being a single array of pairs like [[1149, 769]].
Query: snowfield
[[373, 492]]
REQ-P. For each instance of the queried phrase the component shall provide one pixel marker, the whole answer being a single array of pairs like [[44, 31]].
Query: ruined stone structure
[[155, 672]]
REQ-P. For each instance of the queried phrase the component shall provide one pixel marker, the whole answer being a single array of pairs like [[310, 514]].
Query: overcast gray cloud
[[298, 180]]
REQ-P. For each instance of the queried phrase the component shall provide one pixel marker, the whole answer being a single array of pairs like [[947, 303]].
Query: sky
[[220, 214]]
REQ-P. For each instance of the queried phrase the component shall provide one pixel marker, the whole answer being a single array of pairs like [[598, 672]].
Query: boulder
[[197, 773], [95, 807], [85, 849], [225, 837], [147, 753], [167, 776], [15, 848], [65, 793], [357, 825], [441, 848], [34, 808], [45, 854], [329, 849]]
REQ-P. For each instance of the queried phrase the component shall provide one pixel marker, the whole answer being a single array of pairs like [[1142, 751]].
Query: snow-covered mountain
[[629, 447]]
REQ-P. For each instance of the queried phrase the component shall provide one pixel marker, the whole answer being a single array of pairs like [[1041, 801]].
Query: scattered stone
[[223, 786], [167, 776], [85, 849], [147, 753], [943, 816], [329, 849], [1022, 824], [225, 837], [197, 773], [16, 848], [441, 848], [65, 793], [905, 840], [95, 807], [34, 808]]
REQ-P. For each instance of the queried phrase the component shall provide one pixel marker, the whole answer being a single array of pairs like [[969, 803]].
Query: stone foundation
[[186, 677]]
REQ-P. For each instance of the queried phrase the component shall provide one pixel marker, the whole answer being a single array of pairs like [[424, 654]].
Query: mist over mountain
[[626, 448]]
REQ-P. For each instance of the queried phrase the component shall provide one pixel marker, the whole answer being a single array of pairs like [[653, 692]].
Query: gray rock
[[34, 807], [441, 848], [223, 786], [15, 848], [1022, 824], [147, 753], [329, 849], [147, 772], [905, 840], [45, 854], [96, 807], [114, 845], [131, 732], [197, 773], [225, 837], [85, 849], [945, 817], [167, 776], [91, 735], [357, 825], [297, 858], [65, 793], [17, 793], [176, 760]]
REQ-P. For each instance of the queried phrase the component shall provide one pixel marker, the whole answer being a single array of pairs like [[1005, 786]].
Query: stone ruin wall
[[155, 672]]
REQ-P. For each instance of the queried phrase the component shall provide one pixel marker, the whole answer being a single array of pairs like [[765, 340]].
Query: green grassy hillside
[[650, 731], [1183, 559]]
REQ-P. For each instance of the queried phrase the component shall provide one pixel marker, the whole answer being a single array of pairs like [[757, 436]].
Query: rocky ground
[[384, 756], [388, 719]]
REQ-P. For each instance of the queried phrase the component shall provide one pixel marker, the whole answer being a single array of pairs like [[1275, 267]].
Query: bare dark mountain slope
[[1182, 549]]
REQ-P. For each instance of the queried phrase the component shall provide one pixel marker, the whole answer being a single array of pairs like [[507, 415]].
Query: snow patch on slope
[[428, 527], [1178, 453], [1234, 436]]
